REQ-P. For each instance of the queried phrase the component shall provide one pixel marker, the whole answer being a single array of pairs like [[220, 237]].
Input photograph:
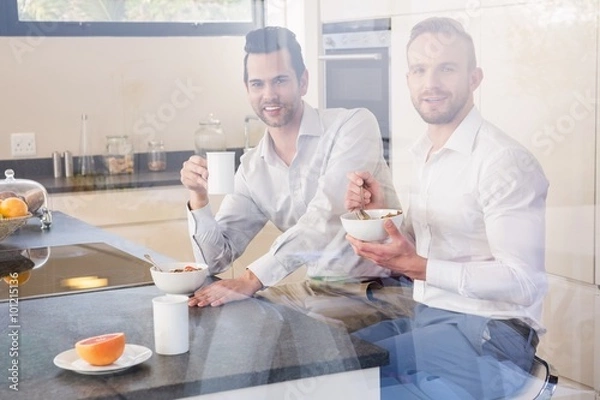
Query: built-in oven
[[357, 69]]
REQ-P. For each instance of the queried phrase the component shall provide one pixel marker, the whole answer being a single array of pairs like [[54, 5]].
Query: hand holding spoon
[[361, 214], [149, 258]]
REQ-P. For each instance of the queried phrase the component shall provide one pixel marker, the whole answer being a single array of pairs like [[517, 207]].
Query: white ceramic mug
[[171, 324], [221, 170]]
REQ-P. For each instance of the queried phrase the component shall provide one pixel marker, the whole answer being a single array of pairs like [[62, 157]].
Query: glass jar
[[119, 155], [157, 157], [209, 136]]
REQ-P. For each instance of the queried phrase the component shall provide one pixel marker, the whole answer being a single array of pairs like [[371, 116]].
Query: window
[[129, 17]]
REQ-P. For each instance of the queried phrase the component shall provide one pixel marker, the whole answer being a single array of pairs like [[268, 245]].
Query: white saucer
[[132, 355]]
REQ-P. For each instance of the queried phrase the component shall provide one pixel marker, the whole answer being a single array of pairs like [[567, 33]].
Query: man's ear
[[475, 78], [303, 82]]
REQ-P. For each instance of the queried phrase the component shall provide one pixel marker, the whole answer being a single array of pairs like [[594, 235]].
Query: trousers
[[439, 354], [351, 305]]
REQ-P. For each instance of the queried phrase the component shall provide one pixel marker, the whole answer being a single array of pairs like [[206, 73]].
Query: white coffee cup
[[221, 170], [171, 324]]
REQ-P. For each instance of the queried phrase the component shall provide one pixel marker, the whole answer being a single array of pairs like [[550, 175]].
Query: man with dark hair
[[472, 238], [271, 39], [295, 178]]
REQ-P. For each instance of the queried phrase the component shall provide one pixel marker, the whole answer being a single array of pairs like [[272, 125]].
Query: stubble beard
[[440, 117], [285, 118]]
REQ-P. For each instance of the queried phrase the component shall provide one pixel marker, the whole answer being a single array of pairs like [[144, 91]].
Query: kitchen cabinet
[[542, 92], [348, 10], [572, 340], [155, 218], [540, 74], [538, 93], [334, 10]]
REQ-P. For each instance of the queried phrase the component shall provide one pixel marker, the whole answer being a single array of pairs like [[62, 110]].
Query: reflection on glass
[[84, 282]]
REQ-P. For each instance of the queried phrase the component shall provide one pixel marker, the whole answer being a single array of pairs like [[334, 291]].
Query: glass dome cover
[[209, 136], [32, 192]]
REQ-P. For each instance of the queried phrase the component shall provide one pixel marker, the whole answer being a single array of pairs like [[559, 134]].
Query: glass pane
[[135, 10]]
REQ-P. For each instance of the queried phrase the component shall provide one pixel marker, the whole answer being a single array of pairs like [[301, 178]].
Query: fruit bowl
[[185, 282], [370, 230], [31, 192], [9, 225]]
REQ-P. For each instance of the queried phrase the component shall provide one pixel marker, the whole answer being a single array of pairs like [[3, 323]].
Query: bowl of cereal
[[179, 277], [370, 230]]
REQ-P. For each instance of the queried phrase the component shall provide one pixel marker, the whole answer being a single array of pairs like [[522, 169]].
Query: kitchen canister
[[209, 136], [119, 157], [157, 157]]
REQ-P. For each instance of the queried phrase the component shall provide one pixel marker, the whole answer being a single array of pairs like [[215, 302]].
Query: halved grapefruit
[[103, 349]]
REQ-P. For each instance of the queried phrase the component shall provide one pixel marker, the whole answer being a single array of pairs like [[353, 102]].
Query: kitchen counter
[[110, 182], [68, 230], [251, 349], [40, 170], [242, 345]]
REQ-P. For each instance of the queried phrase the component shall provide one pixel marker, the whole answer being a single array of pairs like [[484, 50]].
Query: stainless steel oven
[[357, 68]]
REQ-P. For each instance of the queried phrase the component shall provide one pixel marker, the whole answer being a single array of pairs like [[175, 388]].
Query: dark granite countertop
[[108, 182], [239, 345], [68, 230], [41, 170]]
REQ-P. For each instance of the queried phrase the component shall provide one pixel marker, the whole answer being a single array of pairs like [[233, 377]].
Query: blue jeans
[[438, 354]]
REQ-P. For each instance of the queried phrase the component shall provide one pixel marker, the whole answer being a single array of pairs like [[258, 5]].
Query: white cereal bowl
[[179, 282], [370, 230]]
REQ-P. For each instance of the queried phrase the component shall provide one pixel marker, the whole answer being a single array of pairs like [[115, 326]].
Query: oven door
[[360, 78]]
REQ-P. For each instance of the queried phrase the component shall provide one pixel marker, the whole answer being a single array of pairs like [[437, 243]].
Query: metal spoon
[[361, 214], [149, 258]]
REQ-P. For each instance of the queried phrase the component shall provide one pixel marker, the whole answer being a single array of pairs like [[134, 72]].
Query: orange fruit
[[13, 207], [103, 349], [21, 278]]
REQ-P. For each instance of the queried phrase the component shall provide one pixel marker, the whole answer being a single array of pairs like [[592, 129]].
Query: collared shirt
[[477, 213], [304, 200]]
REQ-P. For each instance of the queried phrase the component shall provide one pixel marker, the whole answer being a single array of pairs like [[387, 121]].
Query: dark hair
[[446, 28], [270, 39]]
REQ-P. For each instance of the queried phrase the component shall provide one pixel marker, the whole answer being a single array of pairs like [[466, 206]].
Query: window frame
[[11, 26]]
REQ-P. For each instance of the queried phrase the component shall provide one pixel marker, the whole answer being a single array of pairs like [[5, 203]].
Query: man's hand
[[226, 291], [398, 254], [373, 196], [194, 176]]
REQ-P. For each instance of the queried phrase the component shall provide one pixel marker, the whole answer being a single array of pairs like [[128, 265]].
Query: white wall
[[142, 87]]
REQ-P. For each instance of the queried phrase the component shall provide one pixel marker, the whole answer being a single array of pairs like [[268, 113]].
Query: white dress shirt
[[304, 200], [477, 213]]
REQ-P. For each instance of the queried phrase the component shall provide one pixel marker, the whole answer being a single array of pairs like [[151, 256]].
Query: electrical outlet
[[22, 144]]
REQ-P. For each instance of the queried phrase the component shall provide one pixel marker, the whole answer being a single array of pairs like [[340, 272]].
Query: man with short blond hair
[[472, 240]]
